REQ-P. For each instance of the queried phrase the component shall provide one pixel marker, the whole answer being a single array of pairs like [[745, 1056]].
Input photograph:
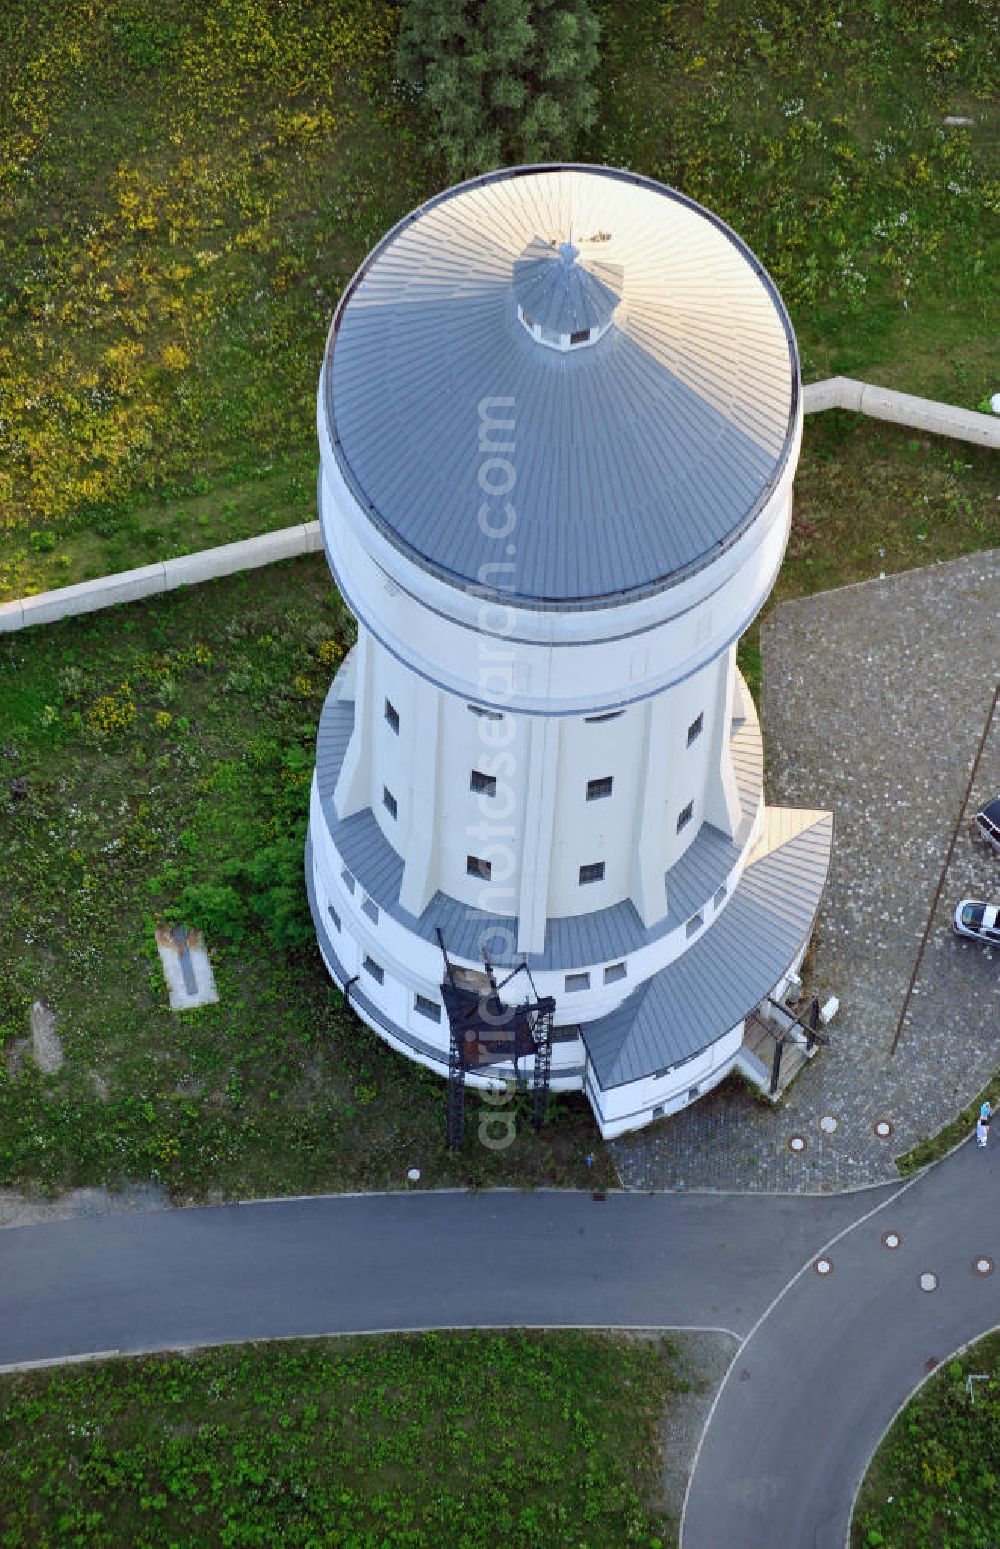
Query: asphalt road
[[824, 1361], [814, 1387], [146, 1281]]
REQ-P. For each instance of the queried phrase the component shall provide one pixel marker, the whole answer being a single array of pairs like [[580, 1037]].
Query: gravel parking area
[[876, 698]]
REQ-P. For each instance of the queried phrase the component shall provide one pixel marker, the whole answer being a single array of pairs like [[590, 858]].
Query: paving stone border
[[875, 699]]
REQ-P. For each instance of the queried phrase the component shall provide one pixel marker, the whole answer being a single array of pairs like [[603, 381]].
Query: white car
[[978, 920]]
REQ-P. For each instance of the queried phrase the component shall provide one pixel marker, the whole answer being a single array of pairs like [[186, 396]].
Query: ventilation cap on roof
[[565, 299]]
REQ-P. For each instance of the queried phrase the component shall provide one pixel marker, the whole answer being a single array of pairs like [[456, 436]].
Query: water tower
[[559, 419]]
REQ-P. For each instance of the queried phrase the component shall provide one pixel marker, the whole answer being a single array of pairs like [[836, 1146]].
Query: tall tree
[[505, 81]]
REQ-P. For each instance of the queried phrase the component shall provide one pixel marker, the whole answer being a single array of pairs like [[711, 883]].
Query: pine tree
[[504, 81]]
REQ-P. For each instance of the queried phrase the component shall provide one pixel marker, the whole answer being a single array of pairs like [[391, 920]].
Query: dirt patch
[[29, 1208], [46, 1045]]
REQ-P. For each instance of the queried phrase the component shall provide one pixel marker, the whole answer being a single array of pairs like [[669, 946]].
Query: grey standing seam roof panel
[[571, 941], [638, 457], [724, 975]]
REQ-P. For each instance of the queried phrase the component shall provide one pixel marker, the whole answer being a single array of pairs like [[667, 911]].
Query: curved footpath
[[823, 1363]]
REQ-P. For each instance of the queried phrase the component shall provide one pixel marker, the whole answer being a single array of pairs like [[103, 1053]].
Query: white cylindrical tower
[[559, 417]]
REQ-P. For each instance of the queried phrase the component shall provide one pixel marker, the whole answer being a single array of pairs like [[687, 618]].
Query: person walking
[[983, 1124]]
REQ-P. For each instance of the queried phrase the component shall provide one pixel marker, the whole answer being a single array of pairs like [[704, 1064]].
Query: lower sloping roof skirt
[[739, 959]]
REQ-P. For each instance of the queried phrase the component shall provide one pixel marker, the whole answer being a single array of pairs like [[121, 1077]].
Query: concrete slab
[[186, 967]]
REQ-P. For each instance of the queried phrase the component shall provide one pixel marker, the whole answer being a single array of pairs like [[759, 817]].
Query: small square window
[[375, 969], [694, 925], [720, 897], [577, 982], [685, 817], [658, 1111], [614, 972], [475, 866], [370, 907], [335, 917], [389, 801], [696, 728], [598, 788], [579, 336], [347, 879], [487, 715], [693, 1092], [428, 1008], [392, 716], [592, 872], [485, 784]]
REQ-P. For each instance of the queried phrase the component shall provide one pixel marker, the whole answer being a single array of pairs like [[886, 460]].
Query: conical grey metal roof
[[629, 463], [563, 290]]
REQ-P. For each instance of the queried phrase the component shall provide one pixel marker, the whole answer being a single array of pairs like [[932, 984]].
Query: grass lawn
[[185, 190], [156, 743], [423, 1442], [935, 1479]]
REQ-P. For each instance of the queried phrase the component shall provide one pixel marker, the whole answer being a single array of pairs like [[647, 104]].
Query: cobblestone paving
[[875, 700]]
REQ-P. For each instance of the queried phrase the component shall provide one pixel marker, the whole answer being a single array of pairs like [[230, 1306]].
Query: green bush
[[505, 81]]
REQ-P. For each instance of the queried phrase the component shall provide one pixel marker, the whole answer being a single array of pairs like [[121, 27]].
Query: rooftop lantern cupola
[[565, 299]]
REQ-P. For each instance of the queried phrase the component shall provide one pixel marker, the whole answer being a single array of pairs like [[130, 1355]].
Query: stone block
[[233, 557], [11, 617], [88, 596]]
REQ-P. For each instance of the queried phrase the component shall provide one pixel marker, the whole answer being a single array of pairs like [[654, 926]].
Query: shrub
[[505, 80]]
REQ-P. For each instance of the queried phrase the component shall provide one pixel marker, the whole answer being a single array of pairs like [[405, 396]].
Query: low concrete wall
[[838, 392], [186, 570], [882, 403]]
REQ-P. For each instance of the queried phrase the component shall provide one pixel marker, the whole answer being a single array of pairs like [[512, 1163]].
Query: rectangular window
[[685, 817], [389, 801], [486, 785], [375, 969], [487, 715], [607, 715], [658, 1111], [335, 917], [392, 716], [579, 336], [347, 879], [720, 897], [592, 872], [577, 982], [370, 907], [614, 972], [427, 1008], [598, 788], [696, 728], [694, 925], [693, 1092], [476, 867]]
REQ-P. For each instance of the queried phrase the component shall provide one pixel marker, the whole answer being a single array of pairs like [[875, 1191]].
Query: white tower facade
[[559, 418]]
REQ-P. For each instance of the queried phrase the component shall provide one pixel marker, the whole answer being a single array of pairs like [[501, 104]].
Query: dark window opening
[[485, 784], [475, 866], [579, 336], [392, 716], [487, 715], [389, 801], [335, 917], [685, 817], [598, 788], [613, 972], [370, 907], [577, 982], [592, 872], [607, 715], [427, 1008], [696, 728], [694, 924], [375, 969]]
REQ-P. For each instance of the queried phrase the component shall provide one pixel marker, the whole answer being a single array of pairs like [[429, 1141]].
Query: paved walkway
[[875, 700], [822, 1363]]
